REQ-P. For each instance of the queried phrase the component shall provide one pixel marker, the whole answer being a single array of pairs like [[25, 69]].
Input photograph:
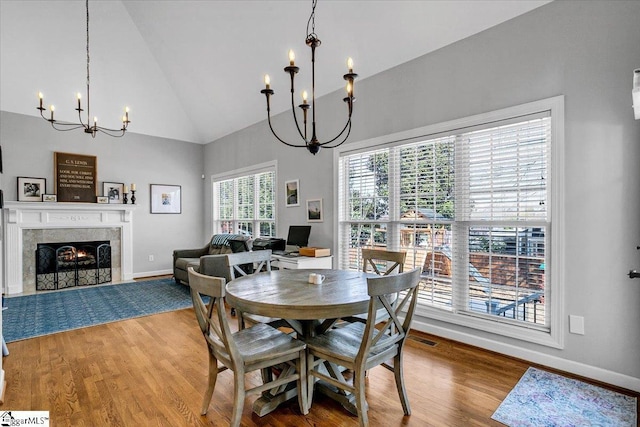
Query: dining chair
[[383, 263], [362, 346], [374, 259], [242, 264], [259, 347]]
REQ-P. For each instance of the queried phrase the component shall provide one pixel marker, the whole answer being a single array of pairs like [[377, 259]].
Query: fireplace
[[69, 264], [27, 224]]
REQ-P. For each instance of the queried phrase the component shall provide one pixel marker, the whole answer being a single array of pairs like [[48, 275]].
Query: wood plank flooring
[[151, 371]]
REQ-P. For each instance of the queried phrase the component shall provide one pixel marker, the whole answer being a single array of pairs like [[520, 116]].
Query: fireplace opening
[[69, 264]]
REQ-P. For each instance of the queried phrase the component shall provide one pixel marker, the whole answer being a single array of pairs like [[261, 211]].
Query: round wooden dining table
[[308, 308], [287, 294]]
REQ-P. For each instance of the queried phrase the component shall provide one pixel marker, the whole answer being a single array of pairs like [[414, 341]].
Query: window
[[244, 202], [471, 206]]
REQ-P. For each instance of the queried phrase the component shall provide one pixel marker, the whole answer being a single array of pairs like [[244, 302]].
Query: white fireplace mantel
[[19, 216]]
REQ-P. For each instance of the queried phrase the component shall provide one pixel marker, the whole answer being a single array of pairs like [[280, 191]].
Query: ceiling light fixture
[[88, 128], [312, 144], [635, 93]]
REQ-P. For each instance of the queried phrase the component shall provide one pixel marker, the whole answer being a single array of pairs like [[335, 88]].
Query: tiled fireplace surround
[[28, 223]]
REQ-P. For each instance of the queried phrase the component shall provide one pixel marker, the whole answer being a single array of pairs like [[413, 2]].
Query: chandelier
[[312, 144], [88, 128]]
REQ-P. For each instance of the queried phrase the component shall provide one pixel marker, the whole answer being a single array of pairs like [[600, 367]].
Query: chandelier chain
[[312, 19], [88, 61], [87, 127]]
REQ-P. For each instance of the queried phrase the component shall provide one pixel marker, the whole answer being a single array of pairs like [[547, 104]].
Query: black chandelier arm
[[75, 126], [108, 132], [348, 127], [67, 126], [349, 101], [280, 139], [295, 118]]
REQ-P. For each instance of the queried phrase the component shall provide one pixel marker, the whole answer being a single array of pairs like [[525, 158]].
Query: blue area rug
[[49, 312], [544, 399]]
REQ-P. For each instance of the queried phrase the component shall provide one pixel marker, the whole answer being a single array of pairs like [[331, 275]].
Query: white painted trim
[[249, 170], [37, 215], [555, 105], [587, 371], [152, 273]]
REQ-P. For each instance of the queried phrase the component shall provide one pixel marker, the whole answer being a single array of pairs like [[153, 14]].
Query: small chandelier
[[312, 144], [88, 128]]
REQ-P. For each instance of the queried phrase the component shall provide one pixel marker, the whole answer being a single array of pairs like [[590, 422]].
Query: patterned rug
[[544, 399], [50, 312]]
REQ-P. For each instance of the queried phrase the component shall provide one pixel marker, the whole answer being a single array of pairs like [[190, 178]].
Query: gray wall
[[585, 50], [28, 144]]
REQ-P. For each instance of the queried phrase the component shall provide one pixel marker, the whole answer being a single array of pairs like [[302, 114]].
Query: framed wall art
[[113, 191], [75, 177], [166, 199], [314, 210], [31, 189], [291, 191]]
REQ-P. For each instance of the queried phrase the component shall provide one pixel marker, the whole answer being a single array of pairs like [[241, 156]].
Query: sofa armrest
[[190, 253], [215, 265]]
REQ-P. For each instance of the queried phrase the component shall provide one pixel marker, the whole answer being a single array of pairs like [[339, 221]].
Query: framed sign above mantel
[[75, 177]]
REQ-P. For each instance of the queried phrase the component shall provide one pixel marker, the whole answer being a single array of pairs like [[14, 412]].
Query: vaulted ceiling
[[193, 70]]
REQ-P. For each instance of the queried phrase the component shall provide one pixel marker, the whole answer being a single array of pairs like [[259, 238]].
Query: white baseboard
[[576, 368], [152, 273]]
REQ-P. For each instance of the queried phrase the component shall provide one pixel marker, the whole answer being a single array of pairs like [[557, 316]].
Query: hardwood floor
[[151, 371]]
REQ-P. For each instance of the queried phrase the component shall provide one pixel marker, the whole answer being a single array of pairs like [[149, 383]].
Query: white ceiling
[[193, 70]]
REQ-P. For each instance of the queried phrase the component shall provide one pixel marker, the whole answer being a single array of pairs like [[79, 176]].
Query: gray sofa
[[209, 260]]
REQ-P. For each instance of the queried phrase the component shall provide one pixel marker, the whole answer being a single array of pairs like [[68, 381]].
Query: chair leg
[[238, 398], [303, 401], [310, 379], [361, 401], [241, 324], [399, 375], [213, 375]]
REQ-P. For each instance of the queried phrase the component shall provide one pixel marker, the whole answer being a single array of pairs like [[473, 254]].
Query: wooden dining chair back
[[382, 262], [362, 346], [242, 264], [257, 348]]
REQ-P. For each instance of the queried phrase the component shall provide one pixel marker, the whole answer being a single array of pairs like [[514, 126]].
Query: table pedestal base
[[346, 400], [267, 403]]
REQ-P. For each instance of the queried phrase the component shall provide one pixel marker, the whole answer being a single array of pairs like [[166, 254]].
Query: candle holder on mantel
[[133, 197], [124, 198]]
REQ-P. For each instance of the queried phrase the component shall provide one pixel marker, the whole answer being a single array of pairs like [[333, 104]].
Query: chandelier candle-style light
[[89, 128], [312, 144]]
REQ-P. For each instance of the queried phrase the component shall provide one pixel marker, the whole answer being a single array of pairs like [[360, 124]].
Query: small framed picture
[[31, 189], [314, 210], [102, 199], [166, 199], [49, 198], [113, 191], [291, 192]]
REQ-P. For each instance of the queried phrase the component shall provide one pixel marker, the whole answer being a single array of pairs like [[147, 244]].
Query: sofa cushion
[[183, 263], [217, 250]]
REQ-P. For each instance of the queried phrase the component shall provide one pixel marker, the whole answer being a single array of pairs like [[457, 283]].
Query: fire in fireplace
[[69, 264]]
